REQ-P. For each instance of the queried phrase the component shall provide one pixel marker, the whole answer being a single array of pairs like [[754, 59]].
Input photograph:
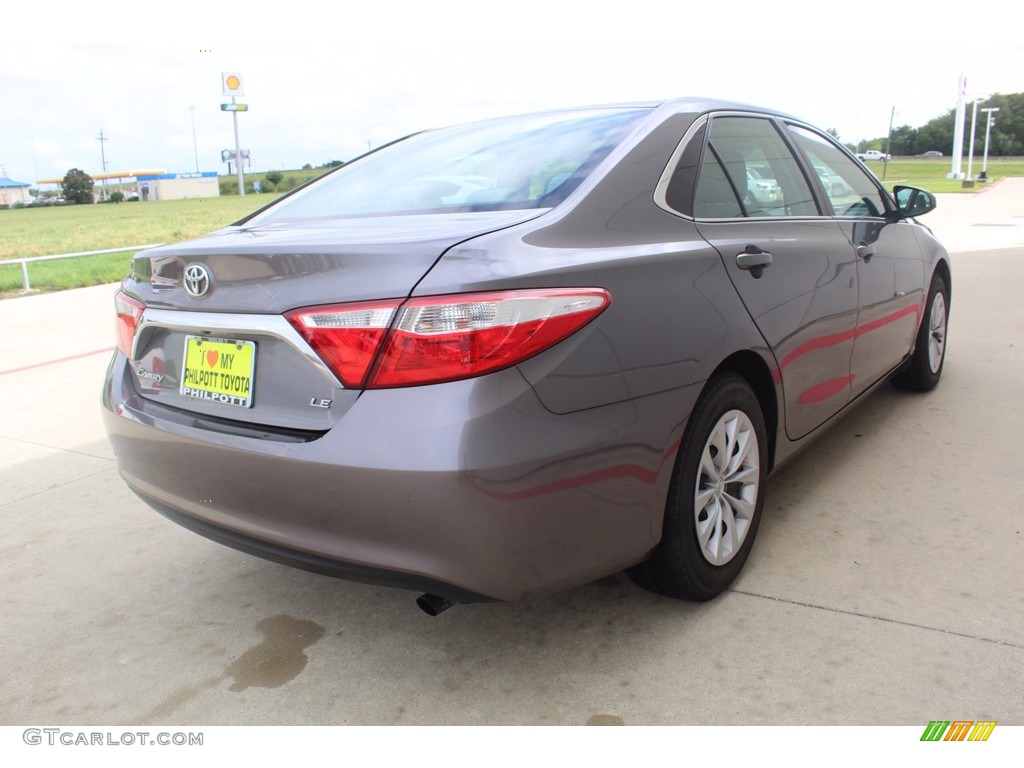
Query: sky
[[327, 81]]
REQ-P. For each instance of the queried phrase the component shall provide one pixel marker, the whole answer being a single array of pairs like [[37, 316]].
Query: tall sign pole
[[970, 151], [231, 83], [238, 153], [958, 130]]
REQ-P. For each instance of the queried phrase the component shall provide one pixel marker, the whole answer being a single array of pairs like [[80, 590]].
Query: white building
[[12, 192]]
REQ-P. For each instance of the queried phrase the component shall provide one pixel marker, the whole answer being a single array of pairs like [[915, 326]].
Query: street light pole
[[988, 128], [195, 144]]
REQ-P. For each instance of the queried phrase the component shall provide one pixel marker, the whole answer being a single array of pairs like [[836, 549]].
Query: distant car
[[498, 360], [834, 185], [765, 190], [931, 153], [873, 154]]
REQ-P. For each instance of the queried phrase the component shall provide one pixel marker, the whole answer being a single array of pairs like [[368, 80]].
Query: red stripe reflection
[[838, 338], [821, 392], [635, 471]]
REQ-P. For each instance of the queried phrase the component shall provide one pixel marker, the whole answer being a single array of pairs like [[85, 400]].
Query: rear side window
[[747, 156], [849, 189]]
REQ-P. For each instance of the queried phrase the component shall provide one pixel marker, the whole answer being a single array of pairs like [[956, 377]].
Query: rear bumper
[[470, 490], [309, 561]]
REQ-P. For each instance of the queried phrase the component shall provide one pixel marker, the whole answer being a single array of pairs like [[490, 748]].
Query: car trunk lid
[[230, 353]]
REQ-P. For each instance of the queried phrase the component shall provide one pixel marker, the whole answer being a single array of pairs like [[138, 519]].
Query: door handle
[[754, 260], [865, 251]]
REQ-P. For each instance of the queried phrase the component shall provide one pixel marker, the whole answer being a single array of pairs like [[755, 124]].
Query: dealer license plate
[[218, 370]]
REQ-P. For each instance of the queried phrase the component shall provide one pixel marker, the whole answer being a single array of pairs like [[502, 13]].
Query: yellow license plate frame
[[218, 370]]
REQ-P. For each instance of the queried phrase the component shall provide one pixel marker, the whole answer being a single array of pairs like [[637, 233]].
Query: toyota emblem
[[197, 280]]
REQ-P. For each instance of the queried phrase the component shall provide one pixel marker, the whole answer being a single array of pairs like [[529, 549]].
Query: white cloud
[[322, 80]]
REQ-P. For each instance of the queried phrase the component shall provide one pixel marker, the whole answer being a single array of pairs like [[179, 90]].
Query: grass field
[[931, 173], [27, 232], [67, 229]]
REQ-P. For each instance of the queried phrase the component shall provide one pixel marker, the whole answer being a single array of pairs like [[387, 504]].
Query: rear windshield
[[513, 163]]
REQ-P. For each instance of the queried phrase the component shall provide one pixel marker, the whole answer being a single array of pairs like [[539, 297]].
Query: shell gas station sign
[[231, 84]]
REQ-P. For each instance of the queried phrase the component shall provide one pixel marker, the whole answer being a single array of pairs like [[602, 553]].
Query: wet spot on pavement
[[279, 658], [605, 720]]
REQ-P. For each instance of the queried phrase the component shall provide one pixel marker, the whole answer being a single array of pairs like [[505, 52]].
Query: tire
[[714, 507], [924, 368]]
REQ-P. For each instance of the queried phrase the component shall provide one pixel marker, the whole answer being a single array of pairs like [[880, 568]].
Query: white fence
[[33, 259]]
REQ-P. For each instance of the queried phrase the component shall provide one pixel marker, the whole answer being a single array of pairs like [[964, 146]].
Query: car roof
[[678, 105]]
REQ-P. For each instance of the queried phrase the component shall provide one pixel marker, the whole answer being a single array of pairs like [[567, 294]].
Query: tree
[[77, 186], [903, 139], [1007, 135], [936, 134], [274, 177]]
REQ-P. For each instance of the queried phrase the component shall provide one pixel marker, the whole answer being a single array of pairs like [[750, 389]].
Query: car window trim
[[819, 188], [661, 188]]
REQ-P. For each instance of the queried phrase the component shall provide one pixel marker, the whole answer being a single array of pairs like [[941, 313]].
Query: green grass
[[72, 228], [931, 173], [66, 273], [28, 232], [289, 180]]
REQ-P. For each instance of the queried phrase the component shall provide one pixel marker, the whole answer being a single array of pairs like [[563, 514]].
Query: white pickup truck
[[873, 154]]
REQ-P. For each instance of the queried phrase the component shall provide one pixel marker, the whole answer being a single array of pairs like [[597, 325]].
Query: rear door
[[792, 266]]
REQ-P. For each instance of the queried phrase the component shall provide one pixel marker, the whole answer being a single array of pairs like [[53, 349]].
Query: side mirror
[[913, 201]]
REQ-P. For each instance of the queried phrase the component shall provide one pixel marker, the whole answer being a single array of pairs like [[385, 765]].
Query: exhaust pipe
[[432, 605]]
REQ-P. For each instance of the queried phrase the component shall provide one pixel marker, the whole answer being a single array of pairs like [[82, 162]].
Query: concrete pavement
[[885, 586]]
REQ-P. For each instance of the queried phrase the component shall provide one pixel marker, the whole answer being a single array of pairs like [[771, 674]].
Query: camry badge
[[197, 280]]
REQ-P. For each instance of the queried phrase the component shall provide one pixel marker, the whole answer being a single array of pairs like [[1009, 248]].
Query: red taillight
[[442, 338], [129, 312], [346, 336]]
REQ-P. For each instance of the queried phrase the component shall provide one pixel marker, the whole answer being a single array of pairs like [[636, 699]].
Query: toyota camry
[[497, 360]]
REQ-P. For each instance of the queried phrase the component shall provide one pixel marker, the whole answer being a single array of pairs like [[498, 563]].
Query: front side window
[[748, 170], [533, 161], [850, 191]]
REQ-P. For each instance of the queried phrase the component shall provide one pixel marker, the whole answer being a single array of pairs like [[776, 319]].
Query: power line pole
[[888, 143], [103, 159]]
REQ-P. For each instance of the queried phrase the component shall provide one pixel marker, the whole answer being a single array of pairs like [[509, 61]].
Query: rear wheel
[[924, 369], [715, 500]]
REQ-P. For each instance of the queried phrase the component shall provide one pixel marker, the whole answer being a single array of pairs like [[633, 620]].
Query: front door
[[889, 263]]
